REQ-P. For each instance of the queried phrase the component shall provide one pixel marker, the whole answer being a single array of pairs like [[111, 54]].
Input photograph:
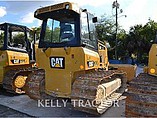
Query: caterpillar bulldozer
[[142, 91], [72, 62], [15, 57]]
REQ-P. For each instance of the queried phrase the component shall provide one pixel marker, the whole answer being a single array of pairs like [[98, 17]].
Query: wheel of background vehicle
[[19, 83]]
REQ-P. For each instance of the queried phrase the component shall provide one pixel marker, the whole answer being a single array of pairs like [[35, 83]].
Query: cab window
[[88, 30], [59, 31], [16, 39]]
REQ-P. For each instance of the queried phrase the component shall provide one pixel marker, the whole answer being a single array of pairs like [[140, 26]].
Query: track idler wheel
[[19, 83]]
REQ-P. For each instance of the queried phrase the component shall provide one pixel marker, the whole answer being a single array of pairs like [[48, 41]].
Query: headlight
[[152, 71]]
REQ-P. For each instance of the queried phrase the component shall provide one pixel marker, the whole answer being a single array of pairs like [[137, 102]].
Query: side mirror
[[95, 19]]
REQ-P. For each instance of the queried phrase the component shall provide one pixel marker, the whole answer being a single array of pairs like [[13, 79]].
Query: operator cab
[[14, 37], [64, 26]]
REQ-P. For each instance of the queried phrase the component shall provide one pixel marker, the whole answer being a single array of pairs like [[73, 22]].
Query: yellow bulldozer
[[142, 91], [72, 62], [15, 56]]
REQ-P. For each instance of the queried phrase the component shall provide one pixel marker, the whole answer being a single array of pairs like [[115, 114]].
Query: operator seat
[[66, 33]]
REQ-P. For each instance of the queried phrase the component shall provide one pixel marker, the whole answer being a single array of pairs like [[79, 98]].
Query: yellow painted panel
[[3, 63], [60, 65], [12, 59], [17, 58], [65, 5], [3, 58], [103, 53], [153, 60], [128, 68], [1, 74]]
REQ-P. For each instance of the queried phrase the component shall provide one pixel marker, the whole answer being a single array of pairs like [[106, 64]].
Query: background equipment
[[142, 92], [15, 57]]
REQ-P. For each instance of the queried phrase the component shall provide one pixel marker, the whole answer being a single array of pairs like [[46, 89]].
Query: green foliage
[[56, 34], [1, 39], [121, 47], [137, 42], [19, 39], [35, 30], [52, 35], [105, 29]]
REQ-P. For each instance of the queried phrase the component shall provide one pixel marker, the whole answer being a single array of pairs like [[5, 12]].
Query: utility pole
[[116, 6]]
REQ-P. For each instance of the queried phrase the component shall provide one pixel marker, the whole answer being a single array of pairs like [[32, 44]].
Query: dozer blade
[[142, 96], [95, 92]]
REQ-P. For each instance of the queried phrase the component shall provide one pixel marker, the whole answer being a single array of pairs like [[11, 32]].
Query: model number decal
[[57, 62], [17, 61], [90, 63]]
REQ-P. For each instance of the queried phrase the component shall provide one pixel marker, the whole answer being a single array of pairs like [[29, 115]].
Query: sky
[[137, 11]]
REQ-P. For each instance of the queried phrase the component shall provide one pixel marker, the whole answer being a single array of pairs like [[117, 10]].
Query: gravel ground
[[22, 106]]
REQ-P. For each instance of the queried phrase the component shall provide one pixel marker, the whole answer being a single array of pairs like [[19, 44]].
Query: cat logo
[[57, 62], [17, 61]]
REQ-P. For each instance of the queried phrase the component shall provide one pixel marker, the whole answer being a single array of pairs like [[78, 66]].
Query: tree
[[56, 34], [139, 40], [121, 46], [105, 28], [106, 31], [35, 30], [19, 39]]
